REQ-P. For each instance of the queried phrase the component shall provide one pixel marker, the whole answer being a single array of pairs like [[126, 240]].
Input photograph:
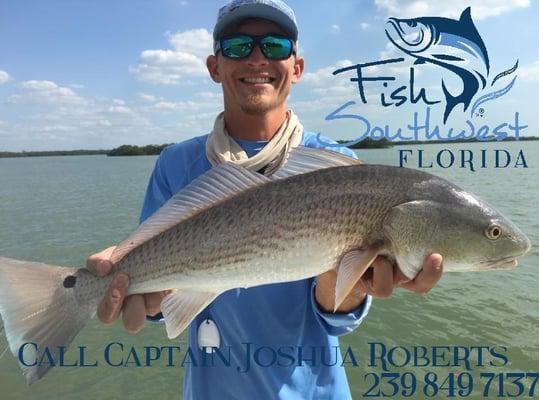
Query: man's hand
[[379, 281], [134, 308]]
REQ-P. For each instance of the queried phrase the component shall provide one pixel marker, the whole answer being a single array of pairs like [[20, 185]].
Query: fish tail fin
[[40, 313]]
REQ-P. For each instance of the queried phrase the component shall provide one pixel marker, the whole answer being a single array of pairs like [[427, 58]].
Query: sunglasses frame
[[257, 41]]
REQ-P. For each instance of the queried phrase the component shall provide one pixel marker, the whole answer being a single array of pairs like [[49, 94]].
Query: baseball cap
[[276, 11]]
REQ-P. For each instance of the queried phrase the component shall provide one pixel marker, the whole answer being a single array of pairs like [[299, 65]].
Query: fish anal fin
[[180, 307], [351, 268]]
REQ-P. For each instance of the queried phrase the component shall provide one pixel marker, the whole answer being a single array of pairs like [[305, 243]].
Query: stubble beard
[[256, 105]]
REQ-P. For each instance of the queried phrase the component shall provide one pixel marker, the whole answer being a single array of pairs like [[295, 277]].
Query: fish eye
[[493, 232]]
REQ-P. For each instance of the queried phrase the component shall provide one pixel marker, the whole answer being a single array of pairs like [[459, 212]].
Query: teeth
[[257, 80]]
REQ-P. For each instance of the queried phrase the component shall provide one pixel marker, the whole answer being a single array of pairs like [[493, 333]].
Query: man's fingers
[[399, 277], [378, 279], [382, 279], [109, 308], [134, 313], [428, 277], [152, 302], [99, 263]]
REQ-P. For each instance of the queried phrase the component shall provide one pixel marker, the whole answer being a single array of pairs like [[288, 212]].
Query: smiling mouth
[[258, 80]]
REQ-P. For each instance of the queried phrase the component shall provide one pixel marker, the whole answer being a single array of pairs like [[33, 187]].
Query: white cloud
[[186, 59], [529, 72], [58, 128], [4, 77], [190, 107], [150, 98], [210, 95], [325, 92], [119, 110], [365, 25], [335, 28], [324, 77], [172, 105], [196, 41], [45, 93], [61, 118], [481, 9]]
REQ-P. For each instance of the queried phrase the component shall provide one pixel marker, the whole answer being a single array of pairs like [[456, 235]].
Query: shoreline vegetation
[[155, 149]]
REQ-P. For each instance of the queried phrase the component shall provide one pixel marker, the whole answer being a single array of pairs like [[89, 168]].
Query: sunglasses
[[274, 47]]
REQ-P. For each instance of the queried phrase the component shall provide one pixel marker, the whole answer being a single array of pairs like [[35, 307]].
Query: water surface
[[61, 209]]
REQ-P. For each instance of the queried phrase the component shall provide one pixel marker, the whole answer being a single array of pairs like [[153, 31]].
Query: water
[[60, 209]]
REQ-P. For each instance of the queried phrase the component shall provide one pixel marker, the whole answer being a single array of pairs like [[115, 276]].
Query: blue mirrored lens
[[241, 46]]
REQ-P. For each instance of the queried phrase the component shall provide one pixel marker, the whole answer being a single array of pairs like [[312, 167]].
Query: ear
[[299, 67], [213, 68]]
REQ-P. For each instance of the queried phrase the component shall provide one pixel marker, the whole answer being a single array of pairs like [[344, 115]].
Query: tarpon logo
[[453, 53], [451, 44], [454, 45]]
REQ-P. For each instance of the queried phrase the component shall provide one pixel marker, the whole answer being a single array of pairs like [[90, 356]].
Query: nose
[[256, 58]]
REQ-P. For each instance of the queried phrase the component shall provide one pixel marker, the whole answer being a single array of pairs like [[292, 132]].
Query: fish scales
[[245, 235]]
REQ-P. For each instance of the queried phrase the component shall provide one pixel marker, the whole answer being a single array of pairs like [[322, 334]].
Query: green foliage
[[155, 149], [6, 154], [130, 150], [369, 143]]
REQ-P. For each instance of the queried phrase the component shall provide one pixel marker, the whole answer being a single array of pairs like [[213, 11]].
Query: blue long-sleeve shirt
[[275, 341]]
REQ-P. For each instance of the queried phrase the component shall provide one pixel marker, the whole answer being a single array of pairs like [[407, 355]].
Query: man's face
[[255, 85]]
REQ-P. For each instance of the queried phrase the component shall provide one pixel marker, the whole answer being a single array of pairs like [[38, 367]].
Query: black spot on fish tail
[[70, 281]]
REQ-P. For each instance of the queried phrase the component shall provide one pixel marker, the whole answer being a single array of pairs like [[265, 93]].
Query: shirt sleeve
[[157, 192], [340, 324]]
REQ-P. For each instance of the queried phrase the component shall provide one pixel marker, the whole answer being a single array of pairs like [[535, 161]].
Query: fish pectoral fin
[[351, 268], [420, 61], [180, 307]]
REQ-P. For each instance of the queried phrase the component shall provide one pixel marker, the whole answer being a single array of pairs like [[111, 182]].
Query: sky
[[97, 74]]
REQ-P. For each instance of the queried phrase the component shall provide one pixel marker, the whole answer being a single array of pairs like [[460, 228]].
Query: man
[[256, 63]]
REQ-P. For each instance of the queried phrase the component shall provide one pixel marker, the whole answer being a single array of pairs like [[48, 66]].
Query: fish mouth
[[393, 30], [499, 265], [398, 32]]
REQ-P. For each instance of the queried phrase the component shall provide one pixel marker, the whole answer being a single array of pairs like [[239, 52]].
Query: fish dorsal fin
[[219, 183], [301, 160], [466, 16]]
